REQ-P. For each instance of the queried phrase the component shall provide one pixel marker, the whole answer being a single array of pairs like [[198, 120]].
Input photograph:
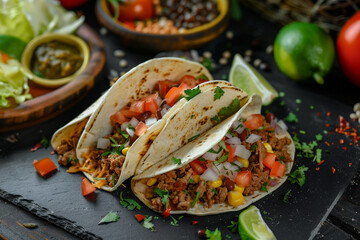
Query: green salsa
[[56, 59]]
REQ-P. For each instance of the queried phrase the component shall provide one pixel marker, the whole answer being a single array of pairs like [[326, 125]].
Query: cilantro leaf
[[193, 138], [70, 159], [223, 158], [264, 187], [44, 142], [298, 176], [164, 194], [233, 226], [99, 179], [222, 145], [291, 118], [214, 190], [196, 199], [190, 93], [129, 203], [110, 217], [216, 119], [318, 137], [218, 93], [131, 127], [175, 221], [176, 160], [208, 64], [231, 109], [202, 76], [215, 235], [318, 155], [148, 224], [286, 196], [191, 180]]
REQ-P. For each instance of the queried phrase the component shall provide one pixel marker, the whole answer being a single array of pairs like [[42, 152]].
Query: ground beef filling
[[183, 187], [66, 150]]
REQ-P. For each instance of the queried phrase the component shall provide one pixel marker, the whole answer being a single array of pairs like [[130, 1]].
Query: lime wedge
[[252, 226], [244, 76]]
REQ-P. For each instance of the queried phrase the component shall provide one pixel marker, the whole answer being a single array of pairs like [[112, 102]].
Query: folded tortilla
[[140, 82], [195, 150]]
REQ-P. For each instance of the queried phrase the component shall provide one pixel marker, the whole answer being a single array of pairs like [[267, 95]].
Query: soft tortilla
[[197, 148]]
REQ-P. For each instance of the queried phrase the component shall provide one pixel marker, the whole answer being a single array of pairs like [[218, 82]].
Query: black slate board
[[59, 200]]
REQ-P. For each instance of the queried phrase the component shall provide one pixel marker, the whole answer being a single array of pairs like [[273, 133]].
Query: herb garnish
[[218, 93], [129, 203], [148, 224], [190, 93], [214, 190], [291, 118], [264, 187], [318, 137], [110, 217], [208, 64], [202, 76], [223, 158], [285, 199], [222, 145], [215, 235], [318, 155], [231, 109], [44, 142], [164, 194], [176, 160], [131, 127], [70, 159], [196, 199], [233, 226], [99, 179], [193, 138], [216, 119], [191, 180], [174, 222], [298, 176]]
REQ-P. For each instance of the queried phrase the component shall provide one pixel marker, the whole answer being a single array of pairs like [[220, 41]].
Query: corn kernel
[[268, 148], [215, 184], [238, 189], [235, 198], [196, 178], [151, 182], [125, 150], [244, 161]]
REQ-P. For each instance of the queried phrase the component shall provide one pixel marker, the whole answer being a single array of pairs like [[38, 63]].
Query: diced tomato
[[45, 167], [188, 80], [137, 106], [194, 222], [128, 113], [243, 178], [182, 88], [180, 186], [150, 103], [269, 159], [118, 118], [231, 156], [166, 213], [5, 58], [86, 187], [198, 167], [140, 129], [277, 170], [255, 121], [165, 86], [139, 217], [174, 93]]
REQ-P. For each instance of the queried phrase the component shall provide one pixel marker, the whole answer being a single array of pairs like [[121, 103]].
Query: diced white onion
[[163, 112], [150, 121], [210, 156], [230, 169], [228, 135], [140, 187], [253, 138], [124, 126], [242, 152], [127, 144], [159, 101], [210, 175], [130, 132], [282, 124], [103, 143], [233, 141], [238, 126], [134, 122]]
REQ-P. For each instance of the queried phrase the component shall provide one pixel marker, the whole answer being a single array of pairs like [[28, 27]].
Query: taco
[[137, 108], [225, 169]]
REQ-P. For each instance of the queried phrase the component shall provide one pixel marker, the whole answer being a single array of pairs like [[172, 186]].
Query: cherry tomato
[[132, 10], [348, 48], [243, 178], [254, 121]]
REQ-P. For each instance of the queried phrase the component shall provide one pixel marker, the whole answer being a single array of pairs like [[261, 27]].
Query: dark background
[[58, 199]]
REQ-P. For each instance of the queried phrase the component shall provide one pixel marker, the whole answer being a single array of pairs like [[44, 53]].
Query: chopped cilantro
[[228, 236], [298, 101], [164, 194], [318, 155], [325, 132], [192, 116], [265, 212], [213, 151], [285, 199], [193, 138], [186, 192], [175, 221], [233, 226], [223, 158], [148, 224], [298, 176], [131, 127], [291, 118], [264, 187], [129, 203], [222, 145], [231, 133], [99, 179], [302, 132], [70, 159], [216, 119], [282, 103], [319, 137], [215, 235], [208, 64], [218, 93], [190, 93], [231, 109], [196, 199], [253, 148], [202, 76], [306, 150], [270, 218], [125, 134], [191, 180], [110, 217], [281, 94], [214, 190], [176, 160], [312, 107], [44, 142]]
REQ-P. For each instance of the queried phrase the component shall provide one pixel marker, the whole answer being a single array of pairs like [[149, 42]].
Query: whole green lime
[[304, 51]]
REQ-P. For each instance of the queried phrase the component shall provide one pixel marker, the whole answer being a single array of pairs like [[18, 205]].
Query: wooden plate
[[191, 38], [48, 103]]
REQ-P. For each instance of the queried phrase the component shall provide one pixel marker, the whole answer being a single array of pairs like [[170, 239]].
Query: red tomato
[[118, 118], [199, 81], [348, 48], [150, 103], [173, 95], [231, 156], [243, 178], [128, 113], [277, 170], [132, 10], [165, 86], [269, 159], [69, 4], [166, 213], [188, 80], [254, 121], [140, 129], [86, 187], [198, 167], [45, 167], [139, 217], [137, 106]]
